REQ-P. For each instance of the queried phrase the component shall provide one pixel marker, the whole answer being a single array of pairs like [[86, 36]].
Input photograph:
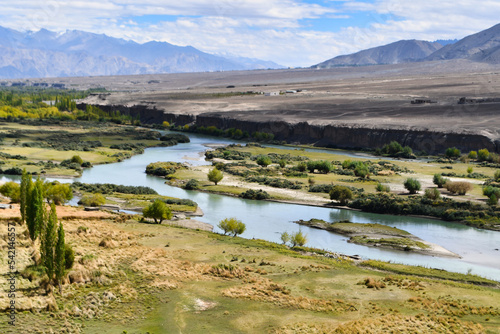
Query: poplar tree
[[35, 210], [48, 243], [59, 257], [26, 187]]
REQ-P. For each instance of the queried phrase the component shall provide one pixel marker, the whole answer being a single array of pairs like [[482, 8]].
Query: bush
[[341, 194], [439, 180], [215, 175], [77, 160], [412, 185], [69, 256], [255, 194], [58, 193], [381, 188], [263, 161], [322, 166], [285, 237], [158, 210], [497, 176], [192, 185], [232, 225], [11, 190], [472, 155], [298, 239], [490, 190], [460, 187], [483, 155], [492, 200], [362, 171], [282, 163], [92, 200], [302, 166], [452, 153], [432, 194]]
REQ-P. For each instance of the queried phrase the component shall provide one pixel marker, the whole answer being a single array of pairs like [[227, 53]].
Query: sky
[[289, 32]]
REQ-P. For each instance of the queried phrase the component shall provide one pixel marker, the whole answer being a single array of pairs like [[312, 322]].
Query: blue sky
[[289, 32]]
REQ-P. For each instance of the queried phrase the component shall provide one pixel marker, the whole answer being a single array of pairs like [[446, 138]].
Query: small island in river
[[378, 235]]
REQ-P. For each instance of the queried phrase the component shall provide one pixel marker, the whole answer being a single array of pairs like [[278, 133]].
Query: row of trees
[[56, 255]]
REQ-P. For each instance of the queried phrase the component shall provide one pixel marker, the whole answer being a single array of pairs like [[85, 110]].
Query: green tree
[[472, 155], [470, 169], [341, 194], [263, 161], [483, 155], [452, 153], [227, 225], [58, 193], [412, 185], [215, 176], [77, 159], [285, 237], [12, 190], [25, 192], [48, 243], [35, 210], [362, 171], [238, 228], [298, 239], [60, 257], [324, 166], [158, 210]]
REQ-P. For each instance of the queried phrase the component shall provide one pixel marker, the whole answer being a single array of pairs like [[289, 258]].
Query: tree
[[341, 194], [77, 159], [232, 225], [452, 153], [48, 243], [298, 239], [58, 193], [285, 237], [12, 190], [25, 192], [263, 160], [35, 210], [483, 155], [324, 166], [470, 169], [60, 257], [158, 210], [412, 185], [472, 155], [215, 175]]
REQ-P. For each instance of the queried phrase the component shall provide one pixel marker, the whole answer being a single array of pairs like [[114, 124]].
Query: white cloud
[[265, 29]]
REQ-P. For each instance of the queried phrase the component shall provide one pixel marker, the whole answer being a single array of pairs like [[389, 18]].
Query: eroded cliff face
[[347, 136]]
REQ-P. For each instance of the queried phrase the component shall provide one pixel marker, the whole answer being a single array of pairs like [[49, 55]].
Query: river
[[267, 220]]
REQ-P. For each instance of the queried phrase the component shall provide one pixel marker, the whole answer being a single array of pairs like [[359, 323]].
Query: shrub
[[470, 170], [497, 176], [192, 185], [439, 180], [483, 155], [92, 200], [492, 200], [322, 166], [282, 163], [302, 166], [69, 256], [459, 187], [490, 190], [341, 194], [381, 188], [12, 190], [472, 155], [432, 194], [255, 194], [263, 161], [412, 185], [362, 171], [158, 210], [58, 193], [298, 239], [77, 160], [215, 176], [452, 153], [232, 225]]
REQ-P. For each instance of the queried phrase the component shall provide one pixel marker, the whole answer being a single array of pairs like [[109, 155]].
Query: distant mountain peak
[[403, 51], [78, 53]]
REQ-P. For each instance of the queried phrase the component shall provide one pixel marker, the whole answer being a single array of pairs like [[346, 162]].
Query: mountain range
[[483, 46], [78, 53]]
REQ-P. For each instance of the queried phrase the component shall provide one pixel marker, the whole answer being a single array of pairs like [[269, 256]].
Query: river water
[[267, 220]]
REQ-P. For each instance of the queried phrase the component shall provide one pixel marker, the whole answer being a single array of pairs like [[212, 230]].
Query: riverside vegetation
[[129, 276]]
